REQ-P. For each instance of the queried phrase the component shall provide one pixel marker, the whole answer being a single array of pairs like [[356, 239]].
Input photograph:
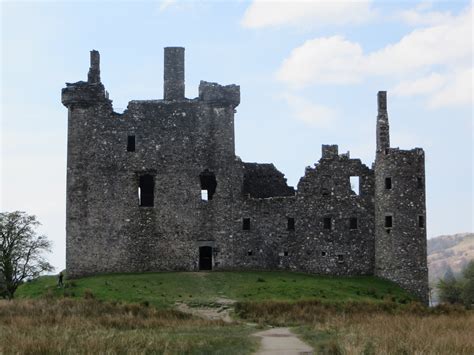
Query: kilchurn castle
[[159, 187]]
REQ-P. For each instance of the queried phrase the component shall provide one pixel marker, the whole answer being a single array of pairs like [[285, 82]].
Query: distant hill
[[454, 251]]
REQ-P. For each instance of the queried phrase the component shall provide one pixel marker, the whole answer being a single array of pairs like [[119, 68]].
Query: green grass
[[166, 288]]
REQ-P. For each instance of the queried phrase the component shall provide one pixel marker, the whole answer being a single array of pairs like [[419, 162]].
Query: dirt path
[[221, 312], [281, 341]]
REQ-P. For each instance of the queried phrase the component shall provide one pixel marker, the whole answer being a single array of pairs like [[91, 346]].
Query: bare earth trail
[[275, 341], [281, 341]]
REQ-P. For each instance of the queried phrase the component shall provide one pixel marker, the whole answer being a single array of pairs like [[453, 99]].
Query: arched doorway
[[205, 258]]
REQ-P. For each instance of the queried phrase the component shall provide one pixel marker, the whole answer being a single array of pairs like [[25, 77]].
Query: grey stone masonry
[[159, 187]]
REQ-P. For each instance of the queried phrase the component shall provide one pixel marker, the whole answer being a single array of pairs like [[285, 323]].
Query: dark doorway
[[205, 258]]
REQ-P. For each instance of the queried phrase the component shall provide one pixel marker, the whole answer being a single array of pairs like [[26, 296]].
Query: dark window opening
[[388, 183], [353, 223], [250, 253], [246, 224], [131, 144], [208, 185], [325, 191], [146, 191], [291, 224], [323, 253], [327, 223], [340, 258], [205, 258], [388, 221], [285, 253], [421, 221], [419, 182]]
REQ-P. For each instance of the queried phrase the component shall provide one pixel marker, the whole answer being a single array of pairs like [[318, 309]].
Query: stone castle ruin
[[159, 188]]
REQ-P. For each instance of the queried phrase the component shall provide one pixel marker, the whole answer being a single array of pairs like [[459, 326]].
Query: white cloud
[[458, 91], [164, 4], [304, 13], [419, 16], [310, 113], [445, 48], [420, 86], [330, 60]]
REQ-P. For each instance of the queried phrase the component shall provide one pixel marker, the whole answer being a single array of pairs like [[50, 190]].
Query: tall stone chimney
[[174, 74]]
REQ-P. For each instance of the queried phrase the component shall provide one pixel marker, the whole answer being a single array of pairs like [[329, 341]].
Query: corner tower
[[400, 211]]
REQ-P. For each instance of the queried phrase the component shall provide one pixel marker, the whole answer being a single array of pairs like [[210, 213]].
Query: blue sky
[[309, 73]]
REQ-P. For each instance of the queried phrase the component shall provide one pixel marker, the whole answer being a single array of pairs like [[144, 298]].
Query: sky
[[309, 72]]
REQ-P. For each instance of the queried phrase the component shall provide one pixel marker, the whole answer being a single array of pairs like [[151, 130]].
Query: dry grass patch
[[370, 328], [393, 334], [91, 326]]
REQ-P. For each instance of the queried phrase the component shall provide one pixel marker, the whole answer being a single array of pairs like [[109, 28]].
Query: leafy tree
[[449, 288], [21, 250], [467, 293]]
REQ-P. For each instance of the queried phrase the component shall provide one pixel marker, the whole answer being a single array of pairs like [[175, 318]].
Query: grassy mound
[[167, 288]]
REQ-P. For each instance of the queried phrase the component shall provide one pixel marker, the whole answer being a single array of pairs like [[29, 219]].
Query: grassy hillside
[[167, 288], [454, 251]]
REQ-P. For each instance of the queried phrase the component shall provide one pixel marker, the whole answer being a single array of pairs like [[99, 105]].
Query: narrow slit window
[[246, 224], [340, 258], [250, 253], [388, 221], [285, 253], [291, 224], [419, 182], [421, 221], [130, 143], [208, 184], [388, 183], [353, 223], [327, 223], [355, 184], [146, 191]]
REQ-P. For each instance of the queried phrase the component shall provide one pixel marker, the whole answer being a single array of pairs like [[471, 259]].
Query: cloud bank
[[435, 60]]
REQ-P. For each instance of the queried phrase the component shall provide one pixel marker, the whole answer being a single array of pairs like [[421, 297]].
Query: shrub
[[88, 294]]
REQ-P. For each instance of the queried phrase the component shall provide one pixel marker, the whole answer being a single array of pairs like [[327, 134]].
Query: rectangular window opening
[[323, 253], [250, 253], [146, 191], [421, 221], [291, 224], [285, 253], [355, 184], [388, 183], [246, 224], [388, 221], [353, 223], [419, 182], [327, 223], [340, 258], [208, 184], [131, 144]]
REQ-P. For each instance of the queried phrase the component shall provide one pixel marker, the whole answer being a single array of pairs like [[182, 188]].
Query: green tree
[[21, 251], [449, 288], [467, 293]]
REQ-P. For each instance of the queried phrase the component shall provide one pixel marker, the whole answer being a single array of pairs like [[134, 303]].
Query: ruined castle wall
[[137, 181], [326, 242]]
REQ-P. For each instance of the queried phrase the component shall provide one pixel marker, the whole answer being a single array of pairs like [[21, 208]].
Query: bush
[[88, 295]]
